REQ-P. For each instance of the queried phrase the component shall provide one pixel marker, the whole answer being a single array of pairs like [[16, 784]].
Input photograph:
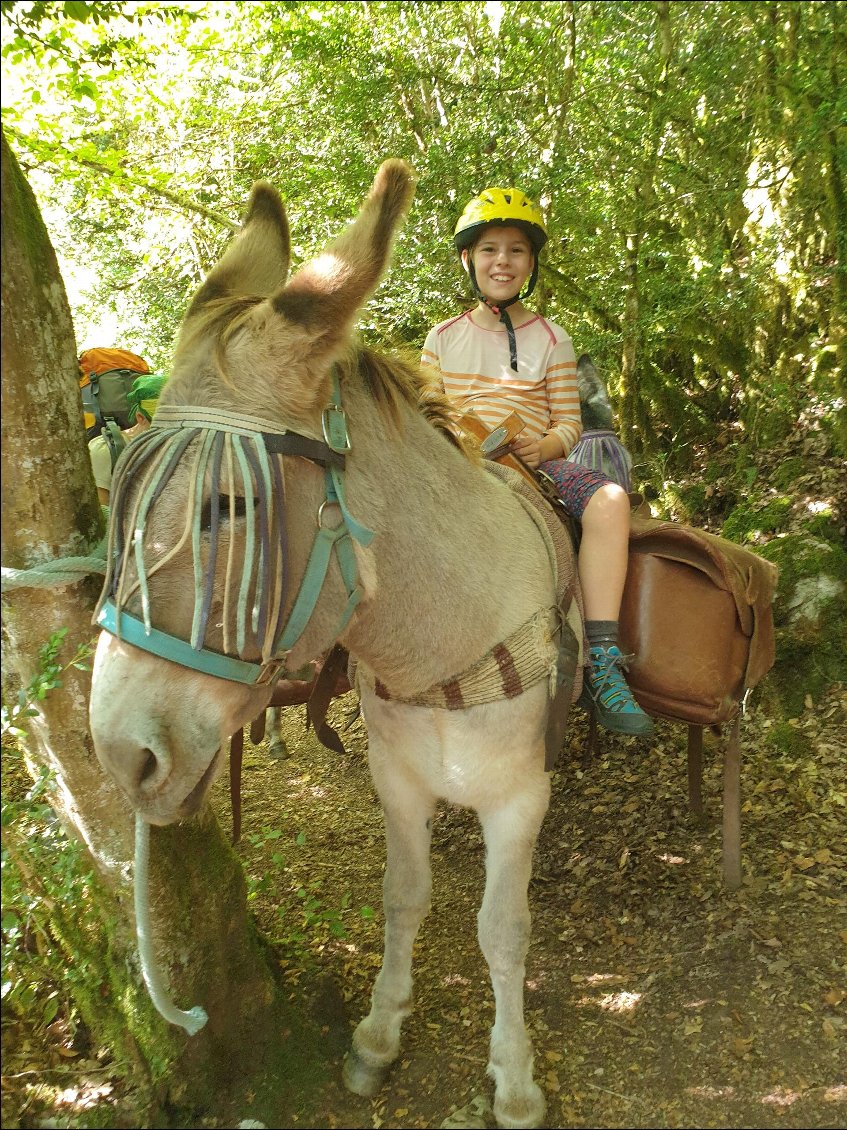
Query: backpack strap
[[90, 402], [114, 438]]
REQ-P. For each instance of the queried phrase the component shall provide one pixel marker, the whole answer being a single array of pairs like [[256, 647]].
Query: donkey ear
[[257, 260], [324, 297]]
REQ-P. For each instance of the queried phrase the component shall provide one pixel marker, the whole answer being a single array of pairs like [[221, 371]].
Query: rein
[[243, 454]]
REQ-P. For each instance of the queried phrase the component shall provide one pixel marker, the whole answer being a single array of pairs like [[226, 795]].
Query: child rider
[[500, 358]]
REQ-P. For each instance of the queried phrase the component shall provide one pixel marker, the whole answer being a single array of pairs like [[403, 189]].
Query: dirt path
[[655, 997]]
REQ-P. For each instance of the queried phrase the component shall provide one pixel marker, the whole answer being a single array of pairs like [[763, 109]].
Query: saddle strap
[[325, 689]]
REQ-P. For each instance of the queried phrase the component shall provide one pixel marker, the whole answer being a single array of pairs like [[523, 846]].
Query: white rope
[[54, 574], [193, 1020]]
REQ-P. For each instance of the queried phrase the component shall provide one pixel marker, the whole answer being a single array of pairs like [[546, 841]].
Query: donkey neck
[[456, 565]]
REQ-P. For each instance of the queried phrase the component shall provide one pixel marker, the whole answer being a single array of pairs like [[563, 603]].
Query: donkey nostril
[[148, 769]]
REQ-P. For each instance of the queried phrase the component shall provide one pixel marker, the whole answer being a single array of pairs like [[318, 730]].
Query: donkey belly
[[478, 758]]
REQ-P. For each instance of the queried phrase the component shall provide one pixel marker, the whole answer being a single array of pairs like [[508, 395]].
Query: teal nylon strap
[[317, 566], [128, 628], [340, 538]]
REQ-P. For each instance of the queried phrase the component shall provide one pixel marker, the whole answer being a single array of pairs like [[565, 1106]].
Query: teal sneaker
[[605, 691]]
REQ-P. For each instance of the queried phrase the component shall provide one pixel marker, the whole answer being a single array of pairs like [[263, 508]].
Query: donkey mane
[[394, 380], [390, 380]]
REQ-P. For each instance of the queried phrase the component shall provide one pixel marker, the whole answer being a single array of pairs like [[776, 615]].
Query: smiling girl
[[500, 358]]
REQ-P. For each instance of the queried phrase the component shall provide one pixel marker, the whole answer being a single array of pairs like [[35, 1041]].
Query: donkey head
[[247, 319], [200, 522]]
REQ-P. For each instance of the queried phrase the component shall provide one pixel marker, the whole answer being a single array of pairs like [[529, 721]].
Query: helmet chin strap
[[501, 310], [503, 315]]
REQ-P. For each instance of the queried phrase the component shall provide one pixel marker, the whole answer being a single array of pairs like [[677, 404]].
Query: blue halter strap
[[254, 442]]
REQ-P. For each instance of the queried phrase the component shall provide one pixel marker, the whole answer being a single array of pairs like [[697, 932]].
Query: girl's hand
[[529, 449]]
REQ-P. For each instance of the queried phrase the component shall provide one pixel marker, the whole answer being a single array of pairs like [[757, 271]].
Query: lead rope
[[193, 1020]]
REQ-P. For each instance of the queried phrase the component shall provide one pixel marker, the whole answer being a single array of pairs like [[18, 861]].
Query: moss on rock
[[810, 609], [752, 518]]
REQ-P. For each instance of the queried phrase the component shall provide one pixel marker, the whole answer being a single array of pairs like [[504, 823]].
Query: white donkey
[[292, 494]]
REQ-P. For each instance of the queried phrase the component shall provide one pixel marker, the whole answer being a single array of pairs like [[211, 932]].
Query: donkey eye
[[239, 509]]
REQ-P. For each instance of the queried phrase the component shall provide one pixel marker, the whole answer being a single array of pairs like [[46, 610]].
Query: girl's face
[[503, 260]]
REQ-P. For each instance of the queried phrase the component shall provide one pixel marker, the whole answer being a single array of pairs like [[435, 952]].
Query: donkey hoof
[[362, 1078], [524, 1113], [278, 751]]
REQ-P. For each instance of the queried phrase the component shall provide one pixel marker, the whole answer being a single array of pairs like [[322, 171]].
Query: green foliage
[[303, 920], [810, 611], [687, 157], [42, 873], [801, 558], [787, 741], [750, 519], [683, 501], [788, 472], [822, 525], [48, 676]]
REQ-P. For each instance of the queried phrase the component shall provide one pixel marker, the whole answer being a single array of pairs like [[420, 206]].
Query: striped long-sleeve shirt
[[476, 373]]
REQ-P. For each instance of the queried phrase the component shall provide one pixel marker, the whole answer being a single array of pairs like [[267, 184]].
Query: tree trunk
[[207, 946], [628, 388], [836, 143]]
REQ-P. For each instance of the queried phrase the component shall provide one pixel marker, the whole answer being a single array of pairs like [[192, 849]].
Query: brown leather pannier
[[697, 616]]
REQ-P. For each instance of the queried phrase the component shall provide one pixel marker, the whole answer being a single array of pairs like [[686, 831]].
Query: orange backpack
[[105, 378]]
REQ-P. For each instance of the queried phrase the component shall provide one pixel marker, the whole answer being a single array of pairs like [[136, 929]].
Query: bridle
[[246, 452]]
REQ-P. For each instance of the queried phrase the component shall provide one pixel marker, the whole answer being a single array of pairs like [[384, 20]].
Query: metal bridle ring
[[319, 519]]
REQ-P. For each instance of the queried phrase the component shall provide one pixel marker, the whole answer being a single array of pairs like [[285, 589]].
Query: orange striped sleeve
[[563, 396]]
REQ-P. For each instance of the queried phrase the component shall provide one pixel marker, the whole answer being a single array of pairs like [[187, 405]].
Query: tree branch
[[183, 202], [607, 320]]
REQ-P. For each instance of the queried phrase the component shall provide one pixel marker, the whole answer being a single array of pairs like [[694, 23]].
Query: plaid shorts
[[576, 484]]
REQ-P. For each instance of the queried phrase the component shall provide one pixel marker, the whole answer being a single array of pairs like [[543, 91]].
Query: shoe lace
[[607, 671]]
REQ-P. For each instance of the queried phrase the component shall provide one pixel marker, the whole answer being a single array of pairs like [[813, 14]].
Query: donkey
[[291, 494]]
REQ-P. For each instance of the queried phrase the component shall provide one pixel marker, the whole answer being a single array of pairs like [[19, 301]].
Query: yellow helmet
[[504, 206]]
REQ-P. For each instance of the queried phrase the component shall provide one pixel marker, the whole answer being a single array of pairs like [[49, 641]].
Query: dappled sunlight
[[81, 1099], [782, 1096], [305, 787], [620, 1002], [624, 1000], [711, 1092], [763, 213], [455, 979], [605, 978]]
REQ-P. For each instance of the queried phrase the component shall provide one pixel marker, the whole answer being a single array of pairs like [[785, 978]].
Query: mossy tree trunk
[[206, 944]]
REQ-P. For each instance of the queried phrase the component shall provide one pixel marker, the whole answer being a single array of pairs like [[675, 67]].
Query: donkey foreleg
[[504, 930], [407, 891], [277, 749]]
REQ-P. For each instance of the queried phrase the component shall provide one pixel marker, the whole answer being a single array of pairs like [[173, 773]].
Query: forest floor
[[654, 996]]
